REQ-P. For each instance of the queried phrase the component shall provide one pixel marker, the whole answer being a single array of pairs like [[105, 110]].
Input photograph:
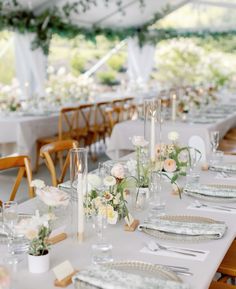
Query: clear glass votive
[[192, 179], [101, 253], [217, 157], [139, 199], [156, 204]]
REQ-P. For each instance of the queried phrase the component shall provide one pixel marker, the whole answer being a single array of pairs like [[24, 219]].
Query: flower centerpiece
[[38, 228], [113, 189]]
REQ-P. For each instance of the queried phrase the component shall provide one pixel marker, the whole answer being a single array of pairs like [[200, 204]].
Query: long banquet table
[[120, 142], [127, 245]]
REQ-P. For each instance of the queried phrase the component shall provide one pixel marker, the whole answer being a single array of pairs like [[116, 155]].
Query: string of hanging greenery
[[57, 21]]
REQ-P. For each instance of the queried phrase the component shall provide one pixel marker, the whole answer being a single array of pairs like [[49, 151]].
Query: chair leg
[[38, 147]]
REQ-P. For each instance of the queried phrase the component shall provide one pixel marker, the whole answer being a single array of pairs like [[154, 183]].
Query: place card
[[57, 235], [64, 273], [131, 224]]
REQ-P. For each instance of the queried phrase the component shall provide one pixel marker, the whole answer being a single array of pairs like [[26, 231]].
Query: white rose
[[94, 181], [118, 171], [109, 181], [139, 141], [173, 136], [39, 184]]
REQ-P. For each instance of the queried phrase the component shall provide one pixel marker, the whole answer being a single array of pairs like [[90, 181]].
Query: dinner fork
[[153, 246]]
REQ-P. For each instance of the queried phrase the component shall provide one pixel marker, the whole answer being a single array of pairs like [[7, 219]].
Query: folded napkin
[[211, 191], [215, 230], [104, 278], [228, 168]]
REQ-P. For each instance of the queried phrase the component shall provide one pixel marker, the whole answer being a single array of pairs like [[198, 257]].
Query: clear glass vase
[[78, 181]]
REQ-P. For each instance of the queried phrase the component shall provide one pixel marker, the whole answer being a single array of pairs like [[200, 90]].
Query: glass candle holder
[[78, 180]]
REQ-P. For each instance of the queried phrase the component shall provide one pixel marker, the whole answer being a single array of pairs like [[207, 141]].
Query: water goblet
[[194, 158], [10, 217]]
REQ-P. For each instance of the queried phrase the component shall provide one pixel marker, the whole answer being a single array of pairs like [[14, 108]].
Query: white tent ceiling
[[108, 15]]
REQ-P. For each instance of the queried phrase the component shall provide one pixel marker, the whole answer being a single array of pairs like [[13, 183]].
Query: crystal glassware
[[214, 140], [10, 217], [194, 158], [157, 205], [101, 250]]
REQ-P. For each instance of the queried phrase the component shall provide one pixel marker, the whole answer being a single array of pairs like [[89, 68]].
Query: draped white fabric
[[30, 66], [140, 61]]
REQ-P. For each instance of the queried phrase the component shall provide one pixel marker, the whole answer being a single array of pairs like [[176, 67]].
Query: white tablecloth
[[127, 246], [120, 142]]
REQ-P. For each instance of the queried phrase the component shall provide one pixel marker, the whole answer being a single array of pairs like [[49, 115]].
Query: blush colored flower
[[169, 165], [118, 171], [107, 196], [53, 197]]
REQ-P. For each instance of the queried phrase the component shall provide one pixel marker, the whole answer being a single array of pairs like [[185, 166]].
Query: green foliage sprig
[[39, 245]]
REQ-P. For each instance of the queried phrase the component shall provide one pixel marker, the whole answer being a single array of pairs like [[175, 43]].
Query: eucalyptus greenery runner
[[56, 20]]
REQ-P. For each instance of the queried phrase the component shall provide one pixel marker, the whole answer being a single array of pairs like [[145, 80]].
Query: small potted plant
[[38, 254]]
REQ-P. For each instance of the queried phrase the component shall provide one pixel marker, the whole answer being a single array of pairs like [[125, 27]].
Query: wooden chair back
[[48, 150], [102, 120], [24, 168], [221, 285], [68, 123]]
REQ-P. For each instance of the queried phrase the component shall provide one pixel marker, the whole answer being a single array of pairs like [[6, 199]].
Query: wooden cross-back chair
[[67, 129], [102, 121], [23, 164], [46, 152]]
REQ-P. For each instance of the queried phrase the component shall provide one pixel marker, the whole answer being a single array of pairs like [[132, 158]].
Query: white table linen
[[120, 142], [127, 245]]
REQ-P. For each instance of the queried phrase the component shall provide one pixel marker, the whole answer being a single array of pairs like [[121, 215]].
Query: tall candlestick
[[152, 138], [81, 189], [174, 107]]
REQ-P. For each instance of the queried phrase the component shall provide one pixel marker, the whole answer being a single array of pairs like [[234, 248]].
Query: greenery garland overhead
[[57, 21]]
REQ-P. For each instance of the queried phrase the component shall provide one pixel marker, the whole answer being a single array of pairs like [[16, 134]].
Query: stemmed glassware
[[194, 158], [214, 140], [10, 217]]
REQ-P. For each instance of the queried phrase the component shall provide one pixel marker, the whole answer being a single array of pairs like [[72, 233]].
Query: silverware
[[178, 269], [153, 246], [197, 204]]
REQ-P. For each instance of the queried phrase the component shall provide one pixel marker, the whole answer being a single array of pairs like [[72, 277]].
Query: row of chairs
[[47, 152], [89, 123]]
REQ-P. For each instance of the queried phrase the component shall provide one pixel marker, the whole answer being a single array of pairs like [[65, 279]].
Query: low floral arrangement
[[113, 189], [37, 229]]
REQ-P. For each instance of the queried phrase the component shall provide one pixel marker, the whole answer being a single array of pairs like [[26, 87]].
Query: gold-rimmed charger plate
[[145, 269]]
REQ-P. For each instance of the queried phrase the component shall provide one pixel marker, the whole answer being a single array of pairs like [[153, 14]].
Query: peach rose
[[170, 165], [118, 171], [53, 197]]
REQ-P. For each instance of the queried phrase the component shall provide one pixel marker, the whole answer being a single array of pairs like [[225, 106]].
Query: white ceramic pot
[[38, 264]]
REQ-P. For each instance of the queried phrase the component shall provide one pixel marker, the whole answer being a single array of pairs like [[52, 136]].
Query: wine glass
[[10, 217], [194, 158], [101, 249], [214, 139]]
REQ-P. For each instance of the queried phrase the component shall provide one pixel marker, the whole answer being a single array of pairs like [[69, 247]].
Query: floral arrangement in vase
[[174, 159], [140, 167], [113, 189]]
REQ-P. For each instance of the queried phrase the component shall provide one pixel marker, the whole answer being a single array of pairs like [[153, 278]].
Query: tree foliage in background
[[183, 62]]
